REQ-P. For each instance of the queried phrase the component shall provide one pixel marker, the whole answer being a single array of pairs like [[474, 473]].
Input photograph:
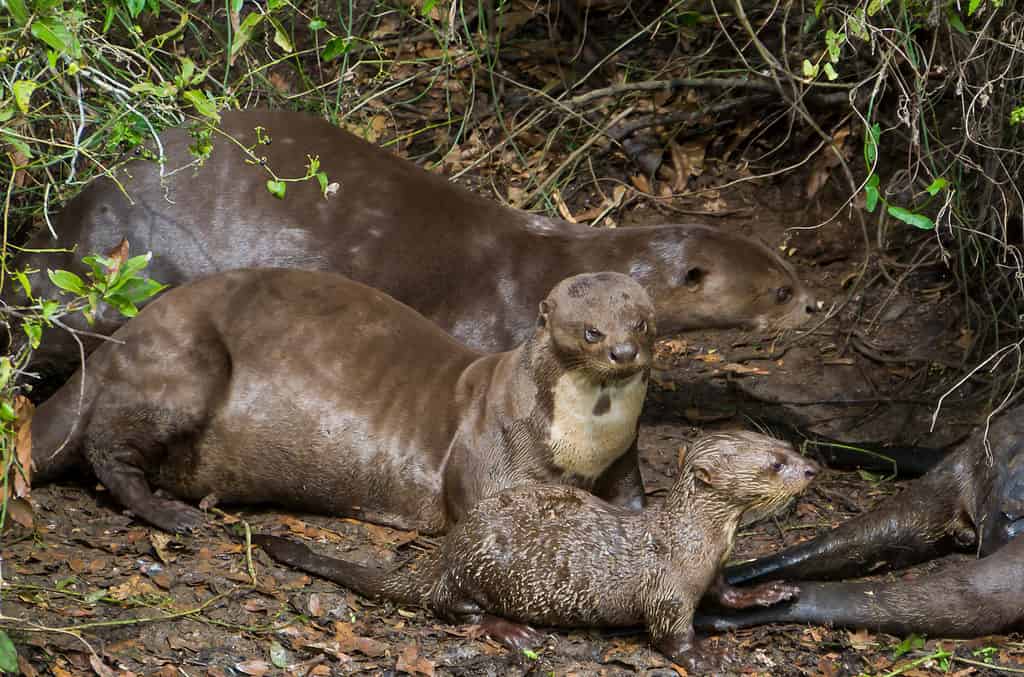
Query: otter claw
[[172, 516], [773, 593], [515, 636]]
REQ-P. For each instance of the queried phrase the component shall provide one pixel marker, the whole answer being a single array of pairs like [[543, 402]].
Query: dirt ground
[[143, 603]]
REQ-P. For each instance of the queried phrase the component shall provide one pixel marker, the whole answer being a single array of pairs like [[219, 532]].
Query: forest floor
[[146, 603]]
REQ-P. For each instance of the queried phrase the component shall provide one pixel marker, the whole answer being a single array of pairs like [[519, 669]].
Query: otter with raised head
[[557, 556], [472, 266], [973, 501], [312, 391]]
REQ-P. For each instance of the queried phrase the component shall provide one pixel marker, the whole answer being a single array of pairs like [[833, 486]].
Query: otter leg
[[915, 525], [119, 466], [971, 599], [765, 594], [622, 484]]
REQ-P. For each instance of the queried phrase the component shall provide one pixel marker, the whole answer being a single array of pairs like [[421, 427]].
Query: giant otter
[[973, 500], [469, 264], [557, 556], [312, 391]]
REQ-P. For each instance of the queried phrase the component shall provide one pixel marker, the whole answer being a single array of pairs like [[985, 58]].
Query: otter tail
[[403, 587], [57, 428]]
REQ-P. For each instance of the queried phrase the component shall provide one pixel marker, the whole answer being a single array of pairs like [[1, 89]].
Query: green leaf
[[8, 654], [937, 185], [317, 24], [22, 278], [278, 656], [5, 370], [857, 25], [281, 38], [203, 104], [906, 216], [138, 289], [870, 198], [830, 72], [911, 643], [427, 6], [159, 40], [868, 476], [321, 177], [20, 14], [135, 264], [875, 5], [874, 134], [125, 307], [135, 7], [56, 35], [18, 144], [818, 5], [95, 596], [244, 32], [7, 411], [834, 42], [810, 69], [50, 309], [973, 7], [276, 188], [23, 93], [955, 22], [531, 654], [34, 331], [335, 47], [67, 281]]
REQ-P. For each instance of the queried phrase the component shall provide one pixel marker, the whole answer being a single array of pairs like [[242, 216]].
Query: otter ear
[[703, 475], [546, 306]]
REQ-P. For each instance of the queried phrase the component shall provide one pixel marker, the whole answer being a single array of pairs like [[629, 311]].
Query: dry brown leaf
[[743, 369], [319, 671], [410, 661], [23, 410], [119, 254], [77, 565], [860, 639], [27, 670], [159, 540], [59, 671], [100, 668], [641, 183], [256, 668], [133, 587], [563, 209], [314, 605], [20, 510], [348, 641], [280, 83]]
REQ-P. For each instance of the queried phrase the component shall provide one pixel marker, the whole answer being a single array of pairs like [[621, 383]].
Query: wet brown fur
[[312, 391], [472, 266], [557, 556], [973, 501]]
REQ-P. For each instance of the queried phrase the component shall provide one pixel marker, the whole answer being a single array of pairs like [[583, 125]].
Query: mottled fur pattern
[[558, 556]]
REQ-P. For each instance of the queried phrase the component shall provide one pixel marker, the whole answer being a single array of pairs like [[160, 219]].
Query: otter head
[[716, 280], [599, 324], [1003, 519], [750, 470]]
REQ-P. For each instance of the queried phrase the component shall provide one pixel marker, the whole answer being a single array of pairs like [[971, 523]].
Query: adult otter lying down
[[557, 556], [309, 390], [472, 266], [972, 501]]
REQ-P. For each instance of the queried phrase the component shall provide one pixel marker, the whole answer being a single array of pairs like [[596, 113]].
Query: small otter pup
[[557, 556], [312, 391]]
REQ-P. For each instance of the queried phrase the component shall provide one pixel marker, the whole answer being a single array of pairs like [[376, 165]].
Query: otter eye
[[783, 294], [777, 466], [641, 327], [592, 335], [694, 278]]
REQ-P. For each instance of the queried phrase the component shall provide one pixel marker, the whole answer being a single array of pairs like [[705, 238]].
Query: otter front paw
[[515, 636], [773, 593], [170, 515]]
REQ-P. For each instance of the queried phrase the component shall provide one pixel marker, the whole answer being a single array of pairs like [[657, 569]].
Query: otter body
[[557, 556], [312, 391], [473, 267], [972, 501]]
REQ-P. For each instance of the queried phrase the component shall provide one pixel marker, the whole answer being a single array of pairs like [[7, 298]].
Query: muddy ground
[[139, 602]]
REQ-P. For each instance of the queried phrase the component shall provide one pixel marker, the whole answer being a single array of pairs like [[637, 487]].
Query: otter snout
[[624, 353]]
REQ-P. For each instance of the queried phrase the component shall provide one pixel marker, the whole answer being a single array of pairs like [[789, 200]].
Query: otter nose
[[623, 353], [812, 307]]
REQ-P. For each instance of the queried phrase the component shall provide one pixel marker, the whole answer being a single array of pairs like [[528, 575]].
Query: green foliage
[[8, 655], [909, 643]]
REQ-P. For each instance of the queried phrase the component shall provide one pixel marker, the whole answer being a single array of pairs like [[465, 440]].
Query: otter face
[[728, 281], [1004, 517], [601, 324], [757, 472]]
